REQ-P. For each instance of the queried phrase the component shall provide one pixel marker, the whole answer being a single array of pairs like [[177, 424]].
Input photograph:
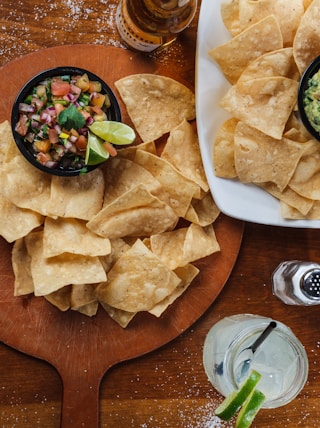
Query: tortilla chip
[[290, 197], [185, 245], [230, 16], [135, 213], [118, 247], [203, 211], [292, 213], [83, 299], [129, 152], [78, 197], [260, 159], [121, 317], [271, 64], [306, 3], [287, 13], [6, 138], [187, 274], [155, 104], [183, 152], [72, 236], [301, 133], [200, 242], [25, 186], [264, 103], [16, 222], [223, 150], [261, 37], [54, 273], [23, 283], [60, 298], [137, 281], [179, 190], [123, 175], [306, 43], [306, 178]]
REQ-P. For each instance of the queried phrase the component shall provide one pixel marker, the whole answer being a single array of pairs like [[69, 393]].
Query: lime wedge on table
[[95, 152], [250, 409], [114, 132], [232, 403]]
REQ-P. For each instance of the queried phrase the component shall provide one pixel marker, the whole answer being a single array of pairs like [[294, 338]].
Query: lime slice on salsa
[[95, 152], [232, 403], [114, 132], [250, 409]]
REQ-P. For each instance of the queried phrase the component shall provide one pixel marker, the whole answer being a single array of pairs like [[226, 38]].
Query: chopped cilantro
[[71, 118]]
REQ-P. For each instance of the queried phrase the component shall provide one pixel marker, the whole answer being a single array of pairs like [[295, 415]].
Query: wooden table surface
[[168, 387]]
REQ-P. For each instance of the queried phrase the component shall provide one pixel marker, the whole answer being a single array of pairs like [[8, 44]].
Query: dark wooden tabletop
[[167, 387]]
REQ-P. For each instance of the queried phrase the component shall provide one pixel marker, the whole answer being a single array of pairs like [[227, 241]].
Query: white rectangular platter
[[235, 199]]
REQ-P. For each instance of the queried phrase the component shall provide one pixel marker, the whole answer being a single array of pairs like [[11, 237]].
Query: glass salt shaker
[[297, 282]]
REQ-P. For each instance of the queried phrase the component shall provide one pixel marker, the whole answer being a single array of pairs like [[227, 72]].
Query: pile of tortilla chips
[[124, 235], [264, 142]]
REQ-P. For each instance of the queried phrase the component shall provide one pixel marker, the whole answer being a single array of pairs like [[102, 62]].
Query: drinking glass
[[280, 359]]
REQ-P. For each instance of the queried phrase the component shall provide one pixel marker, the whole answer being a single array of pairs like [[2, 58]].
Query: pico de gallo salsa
[[55, 117]]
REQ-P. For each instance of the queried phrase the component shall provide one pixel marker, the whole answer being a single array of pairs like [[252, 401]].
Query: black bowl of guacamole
[[309, 98]]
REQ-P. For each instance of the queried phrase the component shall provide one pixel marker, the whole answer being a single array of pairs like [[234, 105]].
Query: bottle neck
[[147, 25], [161, 17]]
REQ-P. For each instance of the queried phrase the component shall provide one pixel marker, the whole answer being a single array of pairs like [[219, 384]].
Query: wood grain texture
[[166, 387], [80, 348]]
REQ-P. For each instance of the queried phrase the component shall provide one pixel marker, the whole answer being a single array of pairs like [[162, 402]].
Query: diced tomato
[[21, 126], [59, 87], [110, 148], [81, 143], [53, 135], [43, 158]]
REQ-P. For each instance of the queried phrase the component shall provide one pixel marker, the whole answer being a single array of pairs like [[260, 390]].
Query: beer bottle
[[147, 25]]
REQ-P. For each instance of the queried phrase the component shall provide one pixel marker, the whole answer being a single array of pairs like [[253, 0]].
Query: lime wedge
[[95, 152], [232, 403], [250, 409], [115, 132]]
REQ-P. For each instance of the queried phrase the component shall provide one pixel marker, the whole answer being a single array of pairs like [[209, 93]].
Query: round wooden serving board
[[82, 349]]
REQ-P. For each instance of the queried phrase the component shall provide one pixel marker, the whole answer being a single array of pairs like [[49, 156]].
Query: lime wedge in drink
[[114, 132], [250, 409], [232, 403], [95, 152]]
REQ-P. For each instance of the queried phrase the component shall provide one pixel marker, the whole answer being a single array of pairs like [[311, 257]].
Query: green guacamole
[[311, 101]]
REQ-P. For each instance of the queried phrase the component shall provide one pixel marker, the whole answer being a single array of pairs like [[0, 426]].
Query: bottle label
[[133, 36]]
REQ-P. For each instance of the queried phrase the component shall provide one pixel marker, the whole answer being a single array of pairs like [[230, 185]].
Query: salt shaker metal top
[[297, 282]]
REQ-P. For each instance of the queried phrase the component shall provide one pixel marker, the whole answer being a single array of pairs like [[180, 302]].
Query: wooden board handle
[[80, 401]]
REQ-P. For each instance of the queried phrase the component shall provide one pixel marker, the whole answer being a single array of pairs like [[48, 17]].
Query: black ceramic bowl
[[26, 148], [303, 86]]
